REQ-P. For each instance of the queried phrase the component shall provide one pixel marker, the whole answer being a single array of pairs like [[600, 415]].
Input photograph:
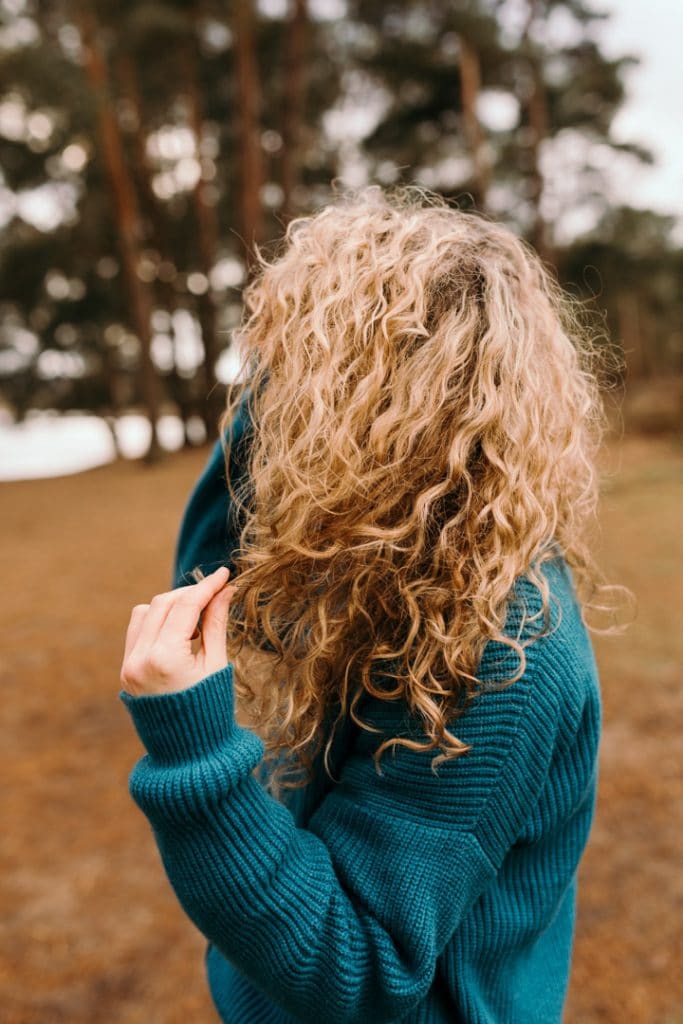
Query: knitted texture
[[407, 896]]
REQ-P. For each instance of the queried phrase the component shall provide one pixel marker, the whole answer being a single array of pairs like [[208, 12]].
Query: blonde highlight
[[427, 409]]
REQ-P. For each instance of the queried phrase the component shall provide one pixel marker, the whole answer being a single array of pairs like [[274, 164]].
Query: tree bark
[[113, 384], [293, 105], [537, 108], [179, 388], [630, 332], [127, 218], [207, 238], [470, 87], [251, 153]]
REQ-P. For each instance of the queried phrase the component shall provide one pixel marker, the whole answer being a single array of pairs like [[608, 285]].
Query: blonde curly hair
[[427, 411]]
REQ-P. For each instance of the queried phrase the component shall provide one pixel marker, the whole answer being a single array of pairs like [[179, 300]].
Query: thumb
[[215, 626]]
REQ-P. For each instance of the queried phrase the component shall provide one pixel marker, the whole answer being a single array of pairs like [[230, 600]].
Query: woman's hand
[[159, 656]]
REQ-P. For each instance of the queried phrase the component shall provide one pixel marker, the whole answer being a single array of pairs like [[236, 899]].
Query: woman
[[372, 770]]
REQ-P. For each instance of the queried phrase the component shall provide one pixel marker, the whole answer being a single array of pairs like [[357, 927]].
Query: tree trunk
[[537, 108], [249, 105], [630, 333], [470, 86], [113, 382], [207, 232], [127, 218], [293, 107], [178, 387], [110, 420]]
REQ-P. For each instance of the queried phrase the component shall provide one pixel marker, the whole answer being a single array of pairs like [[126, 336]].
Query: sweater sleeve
[[209, 527], [348, 915]]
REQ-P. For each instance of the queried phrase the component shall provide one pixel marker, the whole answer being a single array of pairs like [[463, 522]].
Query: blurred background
[[146, 146], [144, 149]]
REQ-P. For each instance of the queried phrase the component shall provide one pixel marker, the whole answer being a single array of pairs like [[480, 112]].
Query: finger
[[215, 625], [191, 599], [151, 623], [190, 602], [136, 619]]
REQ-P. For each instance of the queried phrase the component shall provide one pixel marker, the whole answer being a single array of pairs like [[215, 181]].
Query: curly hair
[[426, 412]]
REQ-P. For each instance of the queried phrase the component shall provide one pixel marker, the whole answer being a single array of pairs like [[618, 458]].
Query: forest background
[[145, 147]]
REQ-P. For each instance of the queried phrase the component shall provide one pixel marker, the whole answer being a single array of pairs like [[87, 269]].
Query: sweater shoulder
[[515, 732], [561, 668], [558, 677]]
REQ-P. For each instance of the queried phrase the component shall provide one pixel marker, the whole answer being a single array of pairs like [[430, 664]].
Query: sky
[[652, 29]]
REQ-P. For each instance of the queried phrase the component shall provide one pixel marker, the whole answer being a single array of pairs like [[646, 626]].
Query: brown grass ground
[[91, 931]]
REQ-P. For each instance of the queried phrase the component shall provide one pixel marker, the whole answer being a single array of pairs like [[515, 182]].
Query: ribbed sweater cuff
[[186, 724]]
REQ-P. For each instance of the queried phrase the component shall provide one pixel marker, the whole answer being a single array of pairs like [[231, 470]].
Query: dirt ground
[[90, 929]]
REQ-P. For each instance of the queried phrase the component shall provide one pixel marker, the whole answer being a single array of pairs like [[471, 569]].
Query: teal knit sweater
[[407, 896]]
